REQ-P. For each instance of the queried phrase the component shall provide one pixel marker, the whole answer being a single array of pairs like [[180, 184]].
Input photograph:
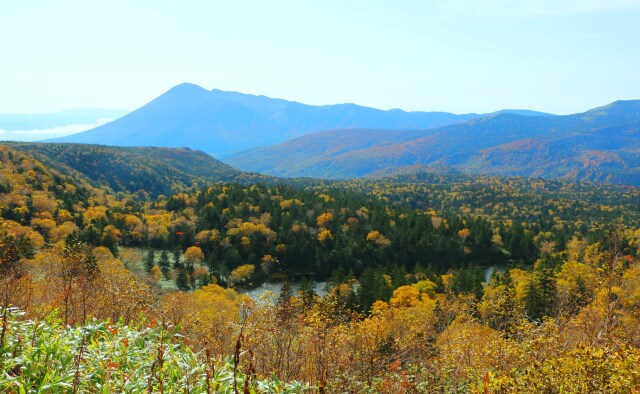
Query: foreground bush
[[46, 356]]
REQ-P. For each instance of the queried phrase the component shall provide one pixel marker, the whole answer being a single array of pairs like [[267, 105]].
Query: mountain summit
[[221, 123]]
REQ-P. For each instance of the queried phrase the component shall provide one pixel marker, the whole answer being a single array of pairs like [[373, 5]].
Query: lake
[[269, 291]]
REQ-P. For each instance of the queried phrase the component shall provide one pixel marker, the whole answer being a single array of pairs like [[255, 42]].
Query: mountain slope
[[153, 170], [185, 116], [600, 144], [221, 123], [315, 154]]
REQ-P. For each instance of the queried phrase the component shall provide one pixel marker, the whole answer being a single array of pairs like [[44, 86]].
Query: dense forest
[[85, 251], [148, 171]]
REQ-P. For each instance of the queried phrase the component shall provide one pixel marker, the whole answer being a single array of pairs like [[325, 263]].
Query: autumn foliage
[[409, 306]]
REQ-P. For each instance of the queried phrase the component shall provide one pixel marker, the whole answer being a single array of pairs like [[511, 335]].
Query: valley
[[139, 235]]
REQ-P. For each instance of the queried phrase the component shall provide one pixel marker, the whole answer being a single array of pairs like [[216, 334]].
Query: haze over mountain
[[602, 144], [31, 127], [221, 123]]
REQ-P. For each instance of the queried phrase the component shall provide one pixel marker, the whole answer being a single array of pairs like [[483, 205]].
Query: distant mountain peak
[[222, 122], [187, 86], [186, 90], [225, 122]]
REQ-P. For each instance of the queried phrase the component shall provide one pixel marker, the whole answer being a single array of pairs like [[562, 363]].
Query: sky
[[461, 56]]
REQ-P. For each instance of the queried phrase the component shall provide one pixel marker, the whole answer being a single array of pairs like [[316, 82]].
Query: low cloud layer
[[54, 132]]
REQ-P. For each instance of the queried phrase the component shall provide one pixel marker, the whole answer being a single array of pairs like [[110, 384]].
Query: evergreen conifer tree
[[164, 263], [182, 280], [307, 291], [149, 261], [176, 259]]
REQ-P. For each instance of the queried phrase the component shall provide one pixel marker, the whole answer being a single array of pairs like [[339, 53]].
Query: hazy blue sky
[[460, 56]]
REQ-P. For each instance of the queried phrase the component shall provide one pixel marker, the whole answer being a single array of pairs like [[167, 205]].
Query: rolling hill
[[151, 170], [602, 144], [221, 123]]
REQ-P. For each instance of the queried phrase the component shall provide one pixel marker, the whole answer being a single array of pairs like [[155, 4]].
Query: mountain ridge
[[222, 123], [599, 144]]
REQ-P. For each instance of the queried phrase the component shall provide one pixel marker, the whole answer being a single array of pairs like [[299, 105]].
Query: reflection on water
[[500, 268], [269, 291]]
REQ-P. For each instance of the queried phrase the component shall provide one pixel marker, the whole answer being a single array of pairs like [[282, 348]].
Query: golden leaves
[[324, 219], [325, 236], [193, 255], [377, 238], [242, 273]]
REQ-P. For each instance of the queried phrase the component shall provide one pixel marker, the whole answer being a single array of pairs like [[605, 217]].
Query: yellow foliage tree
[[242, 273], [378, 239], [154, 275], [324, 219], [426, 287], [208, 316], [287, 204], [193, 255], [464, 233], [112, 233], [405, 296], [325, 235], [95, 213]]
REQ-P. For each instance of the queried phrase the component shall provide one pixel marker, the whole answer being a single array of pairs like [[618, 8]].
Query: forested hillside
[[148, 170], [408, 307], [597, 145]]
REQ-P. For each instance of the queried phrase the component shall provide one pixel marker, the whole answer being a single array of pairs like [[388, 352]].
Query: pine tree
[[182, 280], [540, 297], [532, 300], [286, 293], [176, 259], [307, 291], [547, 288], [338, 276], [149, 262], [284, 308], [369, 289], [581, 295], [164, 263], [507, 311]]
